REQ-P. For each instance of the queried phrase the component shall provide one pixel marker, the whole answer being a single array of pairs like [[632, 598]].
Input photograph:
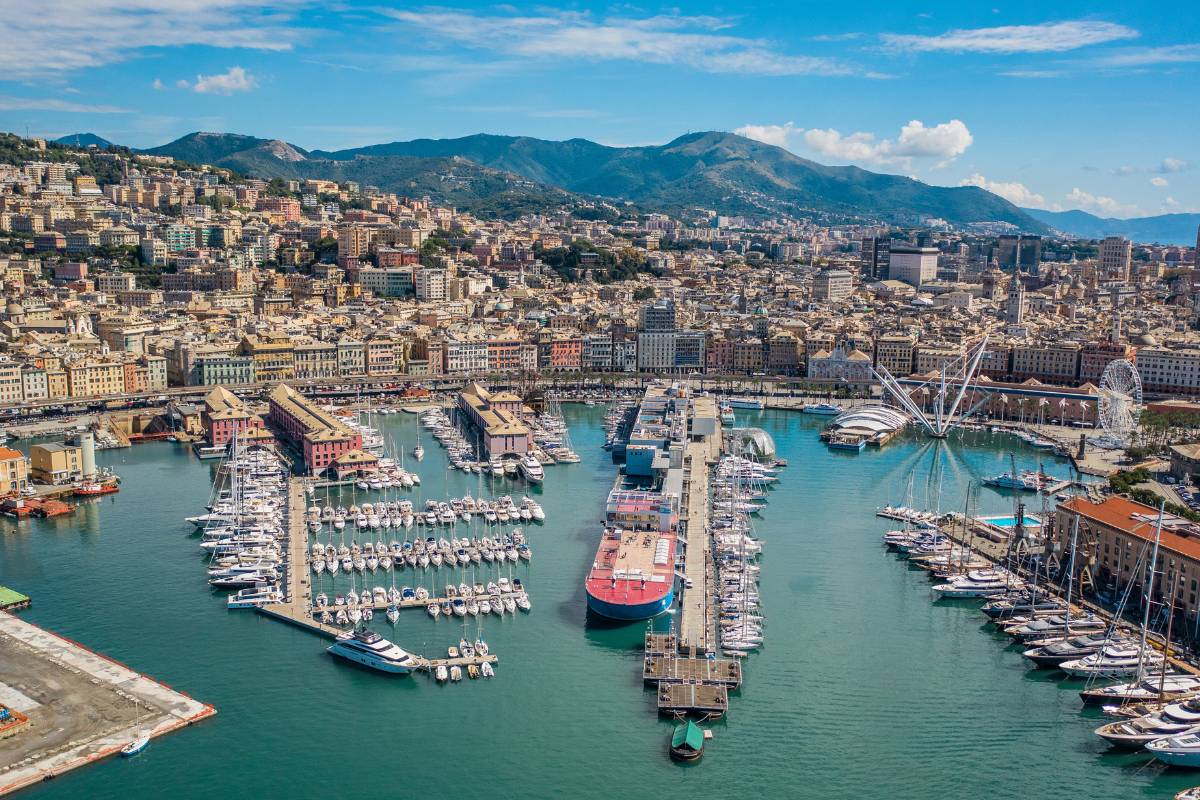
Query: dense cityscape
[[157, 275], [497, 401]]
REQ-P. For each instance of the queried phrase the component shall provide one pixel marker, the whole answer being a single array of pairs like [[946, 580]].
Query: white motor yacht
[[1113, 662], [368, 648], [1177, 751], [255, 596]]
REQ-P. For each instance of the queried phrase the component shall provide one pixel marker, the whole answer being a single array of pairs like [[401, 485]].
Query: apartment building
[[431, 284], [14, 471], [314, 359], [351, 357], [832, 286], [273, 356], [1048, 362], [95, 378], [380, 356], [466, 356], [12, 382], [894, 352], [1169, 371], [1094, 358], [224, 370]]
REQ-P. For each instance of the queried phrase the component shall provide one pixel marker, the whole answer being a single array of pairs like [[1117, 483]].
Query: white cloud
[[157, 85], [235, 79], [1099, 204], [55, 37], [1168, 166], [1150, 56], [1013, 192], [1158, 181], [663, 39], [945, 142], [1033, 73], [11, 103], [1048, 37], [777, 135]]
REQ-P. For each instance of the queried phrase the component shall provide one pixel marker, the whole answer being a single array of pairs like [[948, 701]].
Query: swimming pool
[[1011, 521]]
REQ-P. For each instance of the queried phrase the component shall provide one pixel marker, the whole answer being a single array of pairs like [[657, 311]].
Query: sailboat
[[418, 451], [141, 741]]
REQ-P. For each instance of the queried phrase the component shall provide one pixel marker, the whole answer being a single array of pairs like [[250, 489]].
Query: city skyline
[[949, 96]]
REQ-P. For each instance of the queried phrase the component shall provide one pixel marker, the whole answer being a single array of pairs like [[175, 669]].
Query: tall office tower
[[1115, 254]]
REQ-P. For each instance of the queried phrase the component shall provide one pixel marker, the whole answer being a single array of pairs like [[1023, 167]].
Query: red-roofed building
[[1115, 540]]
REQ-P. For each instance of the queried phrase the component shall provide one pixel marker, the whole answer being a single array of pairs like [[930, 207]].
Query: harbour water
[[864, 688]]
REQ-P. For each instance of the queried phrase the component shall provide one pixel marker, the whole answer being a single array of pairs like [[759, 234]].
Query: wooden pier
[[297, 608], [671, 668], [681, 699]]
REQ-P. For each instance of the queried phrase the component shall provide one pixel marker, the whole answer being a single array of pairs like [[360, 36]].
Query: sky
[[1061, 105]]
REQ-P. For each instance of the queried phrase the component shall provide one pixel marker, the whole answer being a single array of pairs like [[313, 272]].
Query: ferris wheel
[[1120, 404]]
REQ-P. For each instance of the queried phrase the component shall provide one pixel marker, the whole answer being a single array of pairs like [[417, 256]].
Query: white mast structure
[[965, 370]]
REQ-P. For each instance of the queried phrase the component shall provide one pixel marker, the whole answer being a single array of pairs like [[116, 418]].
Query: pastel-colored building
[[498, 419], [317, 435]]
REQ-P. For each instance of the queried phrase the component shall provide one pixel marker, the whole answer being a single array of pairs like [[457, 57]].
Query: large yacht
[[531, 468], [368, 648]]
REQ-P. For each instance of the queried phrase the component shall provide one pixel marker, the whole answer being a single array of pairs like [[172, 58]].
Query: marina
[[824, 579]]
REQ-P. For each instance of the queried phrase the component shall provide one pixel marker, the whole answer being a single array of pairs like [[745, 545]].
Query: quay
[[297, 609], [81, 706], [681, 663], [997, 553], [698, 621]]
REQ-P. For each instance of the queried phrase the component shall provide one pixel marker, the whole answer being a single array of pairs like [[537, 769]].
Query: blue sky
[[1092, 106]]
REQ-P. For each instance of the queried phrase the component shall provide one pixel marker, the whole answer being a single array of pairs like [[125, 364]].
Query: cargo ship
[[633, 575]]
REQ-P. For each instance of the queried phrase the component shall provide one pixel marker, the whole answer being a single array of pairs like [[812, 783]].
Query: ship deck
[[627, 557]]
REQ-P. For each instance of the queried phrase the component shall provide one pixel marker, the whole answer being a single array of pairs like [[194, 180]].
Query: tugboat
[[95, 489], [687, 742]]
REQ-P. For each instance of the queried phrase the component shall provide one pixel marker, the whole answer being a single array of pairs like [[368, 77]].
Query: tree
[[643, 293], [325, 249]]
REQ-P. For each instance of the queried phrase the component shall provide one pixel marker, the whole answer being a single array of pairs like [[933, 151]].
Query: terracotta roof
[[1179, 535]]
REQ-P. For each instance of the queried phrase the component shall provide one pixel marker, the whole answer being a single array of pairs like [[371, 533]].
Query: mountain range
[[1176, 229], [725, 172], [83, 140], [509, 175]]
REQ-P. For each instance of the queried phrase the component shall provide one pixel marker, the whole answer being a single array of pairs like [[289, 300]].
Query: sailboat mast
[[1162, 678], [1071, 573], [1150, 591]]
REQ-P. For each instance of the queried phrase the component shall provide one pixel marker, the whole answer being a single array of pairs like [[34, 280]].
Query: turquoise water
[[1010, 521], [865, 687]]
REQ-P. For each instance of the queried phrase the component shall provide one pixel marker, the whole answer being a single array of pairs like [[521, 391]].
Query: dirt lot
[[70, 709]]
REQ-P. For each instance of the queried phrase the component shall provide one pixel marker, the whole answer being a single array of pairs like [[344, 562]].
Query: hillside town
[[387, 361], [159, 274]]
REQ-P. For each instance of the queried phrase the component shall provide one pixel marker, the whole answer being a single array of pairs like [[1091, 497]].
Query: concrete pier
[[81, 706], [696, 632]]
